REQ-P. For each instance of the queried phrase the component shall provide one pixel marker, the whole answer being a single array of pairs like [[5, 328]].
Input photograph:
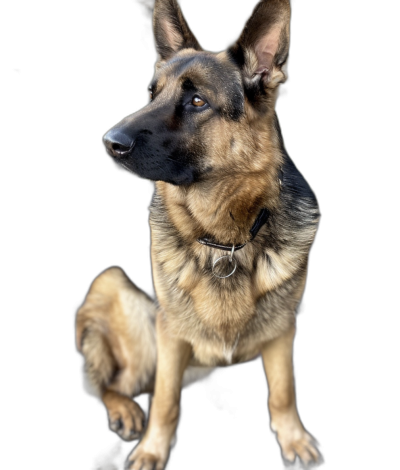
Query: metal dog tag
[[224, 266]]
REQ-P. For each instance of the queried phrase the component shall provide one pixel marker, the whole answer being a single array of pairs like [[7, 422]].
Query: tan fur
[[201, 320], [125, 416], [278, 364], [112, 311]]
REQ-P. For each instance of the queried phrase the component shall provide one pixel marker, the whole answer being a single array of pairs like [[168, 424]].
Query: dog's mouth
[[123, 164]]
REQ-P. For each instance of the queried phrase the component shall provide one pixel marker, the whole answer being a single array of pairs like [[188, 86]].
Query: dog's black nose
[[118, 144]]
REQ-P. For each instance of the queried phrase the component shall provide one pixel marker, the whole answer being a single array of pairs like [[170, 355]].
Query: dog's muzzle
[[118, 144]]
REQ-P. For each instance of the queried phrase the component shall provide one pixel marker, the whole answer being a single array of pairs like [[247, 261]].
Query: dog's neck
[[224, 208]]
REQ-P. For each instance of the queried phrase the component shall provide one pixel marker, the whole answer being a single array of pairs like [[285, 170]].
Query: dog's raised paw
[[126, 418]]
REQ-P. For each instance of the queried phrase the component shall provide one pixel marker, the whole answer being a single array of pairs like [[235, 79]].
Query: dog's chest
[[188, 290], [209, 313], [214, 352]]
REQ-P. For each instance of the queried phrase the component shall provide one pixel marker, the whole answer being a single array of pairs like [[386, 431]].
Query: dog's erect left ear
[[171, 31], [263, 46]]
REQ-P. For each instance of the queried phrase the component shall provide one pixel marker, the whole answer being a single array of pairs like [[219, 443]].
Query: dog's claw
[[116, 425], [290, 465]]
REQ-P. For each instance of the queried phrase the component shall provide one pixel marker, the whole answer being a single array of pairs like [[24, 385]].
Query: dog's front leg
[[285, 421], [173, 356]]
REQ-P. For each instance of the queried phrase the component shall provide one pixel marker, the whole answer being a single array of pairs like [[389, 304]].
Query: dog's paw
[[141, 459], [126, 418], [305, 448], [295, 442]]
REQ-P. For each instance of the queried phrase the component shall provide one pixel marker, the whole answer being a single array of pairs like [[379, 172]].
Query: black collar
[[260, 221]]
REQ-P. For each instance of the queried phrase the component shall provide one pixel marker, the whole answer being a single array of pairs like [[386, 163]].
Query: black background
[[77, 70]]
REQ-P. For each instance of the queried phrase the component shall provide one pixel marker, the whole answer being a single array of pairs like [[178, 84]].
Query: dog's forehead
[[206, 70]]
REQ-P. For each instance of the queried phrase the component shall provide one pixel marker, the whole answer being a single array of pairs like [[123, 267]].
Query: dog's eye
[[197, 101]]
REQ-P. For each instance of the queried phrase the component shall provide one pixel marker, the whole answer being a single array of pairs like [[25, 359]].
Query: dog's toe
[[116, 425], [295, 441], [305, 449], [141, 460]]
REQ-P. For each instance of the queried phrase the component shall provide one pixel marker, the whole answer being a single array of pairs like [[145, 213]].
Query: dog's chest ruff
[[259, 301]]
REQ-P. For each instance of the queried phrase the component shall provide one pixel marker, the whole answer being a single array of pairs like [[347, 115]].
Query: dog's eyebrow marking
[[188, 85], [158, 82]]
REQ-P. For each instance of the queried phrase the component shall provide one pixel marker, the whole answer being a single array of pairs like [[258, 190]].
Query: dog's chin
[[173, 173]]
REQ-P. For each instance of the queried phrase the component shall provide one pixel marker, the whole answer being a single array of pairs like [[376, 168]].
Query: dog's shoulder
[[298, 201], [296, 193]]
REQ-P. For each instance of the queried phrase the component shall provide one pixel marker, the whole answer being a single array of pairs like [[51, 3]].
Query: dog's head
[[205, 107]]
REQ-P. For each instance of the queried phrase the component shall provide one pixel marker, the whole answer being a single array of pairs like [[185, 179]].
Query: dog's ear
[[263, 46], [171, 31]]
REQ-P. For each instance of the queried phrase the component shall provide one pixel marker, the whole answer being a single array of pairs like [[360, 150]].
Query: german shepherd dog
[[232, 222]]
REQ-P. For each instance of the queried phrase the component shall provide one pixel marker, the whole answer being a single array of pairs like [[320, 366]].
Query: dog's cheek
[[195, 155]]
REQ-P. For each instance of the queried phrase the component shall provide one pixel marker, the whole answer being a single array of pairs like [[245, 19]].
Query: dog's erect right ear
[[171, 31], [263, 46]]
